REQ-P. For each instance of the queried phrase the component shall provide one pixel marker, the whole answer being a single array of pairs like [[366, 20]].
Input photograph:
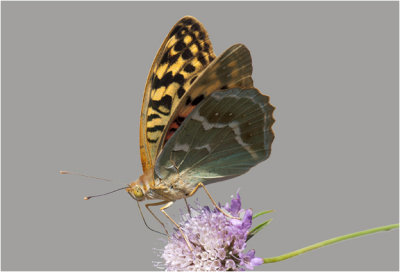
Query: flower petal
[[236, 205]]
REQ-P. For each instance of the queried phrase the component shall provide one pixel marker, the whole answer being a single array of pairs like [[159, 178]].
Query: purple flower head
[[218, 242]]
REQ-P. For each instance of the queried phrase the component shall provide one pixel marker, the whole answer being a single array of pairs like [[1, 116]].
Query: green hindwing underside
[[224, 136]]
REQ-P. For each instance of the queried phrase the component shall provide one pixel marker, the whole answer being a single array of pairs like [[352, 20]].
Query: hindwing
[[224, 136]]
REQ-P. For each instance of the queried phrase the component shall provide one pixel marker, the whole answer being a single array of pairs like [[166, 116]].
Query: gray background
[[73, 76]]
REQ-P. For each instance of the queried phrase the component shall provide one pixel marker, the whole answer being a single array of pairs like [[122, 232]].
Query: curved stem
[[328, 242]]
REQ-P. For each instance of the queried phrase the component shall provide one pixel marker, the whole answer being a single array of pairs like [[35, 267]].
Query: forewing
[[233, 68], [224, 136], [185, 52]]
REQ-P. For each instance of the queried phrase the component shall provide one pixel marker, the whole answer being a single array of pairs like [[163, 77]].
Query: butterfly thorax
[[171, 188]]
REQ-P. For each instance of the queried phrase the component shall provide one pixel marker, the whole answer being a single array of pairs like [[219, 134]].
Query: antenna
[[86, 176], [89, 197], [82, 175]]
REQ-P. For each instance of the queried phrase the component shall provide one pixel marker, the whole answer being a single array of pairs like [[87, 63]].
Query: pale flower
[[218, 242]]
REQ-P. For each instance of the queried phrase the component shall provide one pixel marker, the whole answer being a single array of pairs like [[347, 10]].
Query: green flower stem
[[328, 242]]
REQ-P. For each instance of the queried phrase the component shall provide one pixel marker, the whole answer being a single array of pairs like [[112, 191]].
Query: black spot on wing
[[155, 128], [189, 68], [201, 35], [206, 47], [175, 30], [188, 101], [165, 102], [181, 91], [187, 21], [167, 79], [164, 81], [197, 100], [152, 140], [167, 58], [164, 58], [187, 54], [179, 78], [195, 27], [173, 59], [180, 119], [152, 117], [196, 42], [179, 46], [202, 59], [156, 83], [181, 33]]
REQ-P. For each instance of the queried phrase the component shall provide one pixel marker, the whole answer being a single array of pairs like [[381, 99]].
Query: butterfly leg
[[188, 208], [212, 200], [157, 204], [183, 235], [140, 210]]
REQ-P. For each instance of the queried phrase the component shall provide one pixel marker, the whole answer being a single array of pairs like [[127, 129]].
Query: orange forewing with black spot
[[184, 54]]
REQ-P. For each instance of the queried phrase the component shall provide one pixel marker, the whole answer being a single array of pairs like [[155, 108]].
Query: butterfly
[[202, 120]]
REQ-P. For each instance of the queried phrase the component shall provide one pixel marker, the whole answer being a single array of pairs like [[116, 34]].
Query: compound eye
[[137, 192]]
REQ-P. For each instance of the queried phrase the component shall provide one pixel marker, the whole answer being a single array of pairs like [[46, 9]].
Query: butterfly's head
[[136, 191], [139, 188]]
